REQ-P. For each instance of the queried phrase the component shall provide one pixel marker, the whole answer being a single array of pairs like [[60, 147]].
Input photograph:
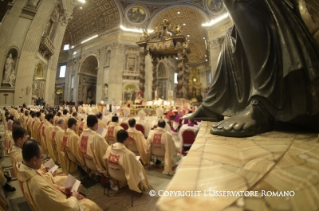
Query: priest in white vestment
[[134, 172], [160, 136], [138, 138], [39, 193], [112, 130], [93, 144]]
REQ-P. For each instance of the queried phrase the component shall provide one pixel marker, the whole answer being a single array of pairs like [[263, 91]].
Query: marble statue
[[268, 71], [34, 85], [8, 69]]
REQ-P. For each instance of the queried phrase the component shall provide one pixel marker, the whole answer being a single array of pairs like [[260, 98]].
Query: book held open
[[72, 183], [51, 166]]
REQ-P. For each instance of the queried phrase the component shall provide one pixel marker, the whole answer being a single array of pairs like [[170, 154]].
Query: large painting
[[215, 6], [136, 14]]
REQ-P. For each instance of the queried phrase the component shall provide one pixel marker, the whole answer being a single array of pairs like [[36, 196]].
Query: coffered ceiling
[[95, 17]]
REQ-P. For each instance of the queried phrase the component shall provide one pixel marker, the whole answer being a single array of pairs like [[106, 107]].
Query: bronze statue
[[268, 70]]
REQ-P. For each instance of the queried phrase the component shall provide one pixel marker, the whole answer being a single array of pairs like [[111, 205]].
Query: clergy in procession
[[137, 137], [54, 117], [120, 155], [39, 193], [112, 129], [8, 140], [93, 144], [35, 133], [46, 132], [42, 116], [70, 140], [141, 121], [99, 117], [56, 138], [160, 136]]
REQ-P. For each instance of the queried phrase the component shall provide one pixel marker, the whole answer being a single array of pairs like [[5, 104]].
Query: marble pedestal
[[274, 161]]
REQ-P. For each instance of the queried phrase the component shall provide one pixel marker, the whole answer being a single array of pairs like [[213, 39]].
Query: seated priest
[[160, 136], [75, 116], [56, 138], [134, 172], [112, 129], [39, 193], [141, 121], [66, 116], [35, 127], [30, 122], [25, 119], [93, 144], [138, 138], [8, 141], [99, 117], [46, 131], [70, 140], [20, 136]]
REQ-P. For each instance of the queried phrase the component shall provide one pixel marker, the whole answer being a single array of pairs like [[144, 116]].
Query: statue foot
[[200, 114], [254, 119]]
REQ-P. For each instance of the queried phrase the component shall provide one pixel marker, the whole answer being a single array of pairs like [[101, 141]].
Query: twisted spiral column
[[180, 74], [142, 71], [154, 82]]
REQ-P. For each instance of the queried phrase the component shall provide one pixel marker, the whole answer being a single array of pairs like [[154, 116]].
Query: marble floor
[[280, 169]]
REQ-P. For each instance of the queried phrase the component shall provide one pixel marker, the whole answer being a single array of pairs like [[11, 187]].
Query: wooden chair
[[157, 150], [188, 137], [140, 127], [116, 172], [124, 125]]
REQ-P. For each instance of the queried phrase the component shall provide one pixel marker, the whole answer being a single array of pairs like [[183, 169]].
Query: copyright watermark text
[[213, 193]]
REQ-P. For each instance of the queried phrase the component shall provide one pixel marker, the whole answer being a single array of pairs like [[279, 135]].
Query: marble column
[[28, 52], [148, 77], [154, 81], [53, 62], [7, 31], [186, 80], [142, 71], [100, 76], [117, 65]]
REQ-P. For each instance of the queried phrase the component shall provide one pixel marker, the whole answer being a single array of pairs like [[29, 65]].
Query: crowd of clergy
[[84, 138]]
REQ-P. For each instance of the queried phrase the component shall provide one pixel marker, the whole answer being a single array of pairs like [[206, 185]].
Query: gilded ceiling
[[95, 17], [193, 27]]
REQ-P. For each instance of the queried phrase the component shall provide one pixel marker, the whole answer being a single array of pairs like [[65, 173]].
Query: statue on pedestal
[[268, 70], [9, 72]]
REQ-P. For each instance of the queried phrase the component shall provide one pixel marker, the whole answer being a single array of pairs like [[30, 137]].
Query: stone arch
[[90, 65]]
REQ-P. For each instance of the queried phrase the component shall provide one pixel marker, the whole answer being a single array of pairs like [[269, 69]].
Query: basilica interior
[[146, 54]]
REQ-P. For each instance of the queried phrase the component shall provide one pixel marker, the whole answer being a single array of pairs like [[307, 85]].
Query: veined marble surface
[[287, 162]]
